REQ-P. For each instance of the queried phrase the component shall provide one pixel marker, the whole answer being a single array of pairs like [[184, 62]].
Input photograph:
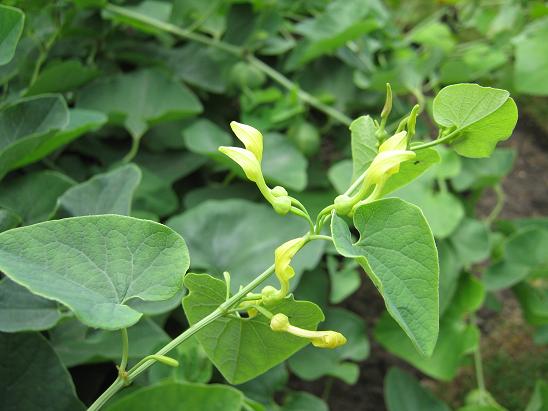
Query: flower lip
[[250, 137], [246, 160]]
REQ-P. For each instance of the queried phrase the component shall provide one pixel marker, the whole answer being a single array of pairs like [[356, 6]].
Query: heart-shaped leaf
[[32, 367], [96, 264], [11, 27], [107, 193], [26, 125], [241, 349], [482, 116], [397, 250], [462, 105]]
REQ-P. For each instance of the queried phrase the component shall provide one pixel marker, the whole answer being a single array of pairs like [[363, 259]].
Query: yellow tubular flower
[[251, 137], [320, 339], [282, 259], [387, 163], [245, 159]]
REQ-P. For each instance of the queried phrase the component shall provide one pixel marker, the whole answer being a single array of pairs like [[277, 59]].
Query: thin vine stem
[[140, 367], [125, 350], [499, 205], [478, 365], [432, 143], [235, 51]]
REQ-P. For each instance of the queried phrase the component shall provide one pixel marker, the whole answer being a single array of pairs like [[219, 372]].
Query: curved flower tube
[[321, 339]]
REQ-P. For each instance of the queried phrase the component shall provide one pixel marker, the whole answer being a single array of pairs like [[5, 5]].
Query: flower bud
[[388, 102], [279, 322], [281, 205], [251, 137], [279, 191], [246, 160], [328, 339], [343, 204], [270, 295]]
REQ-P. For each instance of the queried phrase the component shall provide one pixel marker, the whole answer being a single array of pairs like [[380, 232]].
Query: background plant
[[155, 84]]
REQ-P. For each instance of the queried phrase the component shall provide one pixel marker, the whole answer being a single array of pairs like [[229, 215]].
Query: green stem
[[135, 142], [436, 142], [320, 237], [304, 215], [235, 51], [498, 205], [303, 95], [125, 350], [140, 367], [478, 365]]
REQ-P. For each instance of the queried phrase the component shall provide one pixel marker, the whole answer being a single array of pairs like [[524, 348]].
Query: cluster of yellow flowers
[[386, 163]]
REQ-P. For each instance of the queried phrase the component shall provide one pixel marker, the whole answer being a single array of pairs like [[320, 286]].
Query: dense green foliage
[[112, 186]]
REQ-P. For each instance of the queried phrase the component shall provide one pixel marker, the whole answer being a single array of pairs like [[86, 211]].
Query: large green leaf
[[11, 27], [402, 392], [95, 265], [230, 236], [481, 138], [33, 197], [397, 250], [26, 125], [456, 338], [34, 378], [481, 115], [241, 349], [462, 105], [20, 310], [139, 99], [107, 193], [174, 396]]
